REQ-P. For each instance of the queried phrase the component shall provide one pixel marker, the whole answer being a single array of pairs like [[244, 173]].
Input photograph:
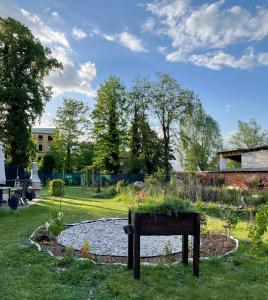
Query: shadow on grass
[[63, 201]]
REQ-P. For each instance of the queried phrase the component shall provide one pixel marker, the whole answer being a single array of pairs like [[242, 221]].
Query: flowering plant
[[56, 223]]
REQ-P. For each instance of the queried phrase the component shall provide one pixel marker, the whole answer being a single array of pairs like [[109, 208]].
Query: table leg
[[185, 249], [1, 197]]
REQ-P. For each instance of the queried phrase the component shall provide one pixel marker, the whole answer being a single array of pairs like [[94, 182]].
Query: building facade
[[252, 163], [44, 139]]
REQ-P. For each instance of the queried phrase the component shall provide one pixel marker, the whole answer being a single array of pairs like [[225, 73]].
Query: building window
[[40, 147], [40, 137], [50, 138]]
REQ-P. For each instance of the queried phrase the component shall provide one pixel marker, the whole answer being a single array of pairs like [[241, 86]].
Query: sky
[[218, 49]]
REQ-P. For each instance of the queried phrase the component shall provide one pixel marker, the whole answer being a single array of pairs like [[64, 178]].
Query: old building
[[251, 163], [44, 138]]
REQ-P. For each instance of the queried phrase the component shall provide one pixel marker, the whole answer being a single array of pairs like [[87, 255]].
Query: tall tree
[[170, 103], [109, 117], [144, 144], [200, 140], [72, 124], [249, 134], [24, 63]]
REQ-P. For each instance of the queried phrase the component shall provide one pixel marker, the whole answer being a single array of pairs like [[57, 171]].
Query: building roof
[[43, 130], [238, 151]]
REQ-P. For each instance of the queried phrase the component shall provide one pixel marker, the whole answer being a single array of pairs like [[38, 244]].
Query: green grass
[[28, 274]]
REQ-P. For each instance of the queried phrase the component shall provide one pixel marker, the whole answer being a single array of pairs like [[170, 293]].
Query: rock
[[42, 234]]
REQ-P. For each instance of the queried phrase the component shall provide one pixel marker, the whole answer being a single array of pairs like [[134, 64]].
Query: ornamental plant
[[256, 231], [85, 249], [231, 219], [56, 187], [56, 223]]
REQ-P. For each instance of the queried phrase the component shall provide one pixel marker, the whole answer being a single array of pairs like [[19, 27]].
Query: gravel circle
[[107, 237]]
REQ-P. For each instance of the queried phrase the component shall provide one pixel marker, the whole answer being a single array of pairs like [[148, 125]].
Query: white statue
[[35, 180]]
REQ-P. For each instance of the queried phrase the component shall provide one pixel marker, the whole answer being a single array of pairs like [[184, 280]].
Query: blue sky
[[219, 49]]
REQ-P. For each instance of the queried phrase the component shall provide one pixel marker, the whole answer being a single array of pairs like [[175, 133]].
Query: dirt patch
[[211, 245]]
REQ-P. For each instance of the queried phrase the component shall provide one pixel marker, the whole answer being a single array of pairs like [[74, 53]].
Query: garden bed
[[105, 248]]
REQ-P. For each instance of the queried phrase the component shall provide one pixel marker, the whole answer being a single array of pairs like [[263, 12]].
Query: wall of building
[[238, 179], [255, 159], [44, 144]]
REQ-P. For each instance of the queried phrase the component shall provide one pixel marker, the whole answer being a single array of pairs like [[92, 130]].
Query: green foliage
[[48, 163], [85, 249], [257, 230], [170, 104], [56, 223], [249, 135], [170, 205], [200, 140], [72, 124], [253, 182], [157, 178], [109, 118], [146, 148], [230, 218], [56, 187], [120, 185], [24, 63]]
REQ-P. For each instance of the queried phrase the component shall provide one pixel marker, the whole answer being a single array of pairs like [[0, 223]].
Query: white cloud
[[211, 27], [124, 38], [46, 34], [162, 49], [56, 17], [130, 41], [71, 78], [149, 25], [78, 33]]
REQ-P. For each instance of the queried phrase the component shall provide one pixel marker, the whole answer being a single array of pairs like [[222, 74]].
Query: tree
[[109, 117], [144, 144], [72, 123], [48, 163], [24, 63], [200, 140], [170, 103], [249, 135]]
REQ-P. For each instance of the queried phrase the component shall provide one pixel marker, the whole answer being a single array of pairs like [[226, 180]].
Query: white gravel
[[107, 237]]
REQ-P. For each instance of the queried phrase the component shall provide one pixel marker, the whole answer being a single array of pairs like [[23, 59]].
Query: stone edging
[[39, 248]]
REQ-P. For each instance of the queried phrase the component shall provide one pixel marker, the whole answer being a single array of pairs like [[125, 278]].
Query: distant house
[[250, 163], [251, 159], [44, 138]]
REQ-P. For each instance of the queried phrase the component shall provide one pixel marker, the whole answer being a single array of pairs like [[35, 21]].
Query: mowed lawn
[[26, 273]]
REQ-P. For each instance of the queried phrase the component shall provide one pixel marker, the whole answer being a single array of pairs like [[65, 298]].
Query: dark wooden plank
[[196, 251], [130, 245], [136, 242], [185, 249]]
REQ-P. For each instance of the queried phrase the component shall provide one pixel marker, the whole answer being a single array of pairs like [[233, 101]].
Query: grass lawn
[[28, 274]]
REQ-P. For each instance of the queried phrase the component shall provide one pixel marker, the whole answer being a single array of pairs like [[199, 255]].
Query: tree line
[[137, 130]]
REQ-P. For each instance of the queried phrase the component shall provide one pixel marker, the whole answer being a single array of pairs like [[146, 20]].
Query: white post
[[35, 180], [2, 166], [223, 162]]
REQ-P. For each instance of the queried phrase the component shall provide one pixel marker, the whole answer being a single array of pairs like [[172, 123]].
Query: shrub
[[157, 178], [253, 182], [56, 223], [85, 249], [231, 219], [257, 230], [56, 187], [120, 185]]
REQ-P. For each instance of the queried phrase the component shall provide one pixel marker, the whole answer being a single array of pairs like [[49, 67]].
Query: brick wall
[[239, 179]]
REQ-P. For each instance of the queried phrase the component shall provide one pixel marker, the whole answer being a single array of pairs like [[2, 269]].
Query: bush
[[56, 187], [56, 223]]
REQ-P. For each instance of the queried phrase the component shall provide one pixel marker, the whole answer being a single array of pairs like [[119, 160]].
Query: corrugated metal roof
[[264, 147]]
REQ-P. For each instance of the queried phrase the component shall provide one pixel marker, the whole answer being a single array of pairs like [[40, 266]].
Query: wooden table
[[4, 188]]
